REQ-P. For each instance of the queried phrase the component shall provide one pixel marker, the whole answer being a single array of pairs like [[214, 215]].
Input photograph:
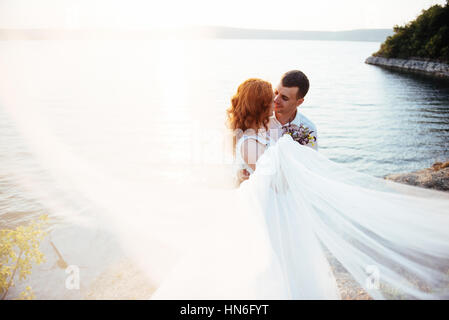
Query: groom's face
[[286, 100]]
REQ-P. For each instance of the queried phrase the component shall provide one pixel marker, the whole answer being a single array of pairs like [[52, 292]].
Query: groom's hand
[[243, 175]]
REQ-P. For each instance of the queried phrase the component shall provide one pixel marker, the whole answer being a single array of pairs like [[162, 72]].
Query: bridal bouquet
[[300, 134]]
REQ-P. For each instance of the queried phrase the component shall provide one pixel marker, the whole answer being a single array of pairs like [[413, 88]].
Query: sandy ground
[[125, 281], [122, 281]]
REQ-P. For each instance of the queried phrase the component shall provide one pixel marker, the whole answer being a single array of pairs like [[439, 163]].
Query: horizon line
[[181, 27]]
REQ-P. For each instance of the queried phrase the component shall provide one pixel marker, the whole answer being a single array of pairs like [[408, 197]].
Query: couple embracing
[[260, 116], [295, 209]]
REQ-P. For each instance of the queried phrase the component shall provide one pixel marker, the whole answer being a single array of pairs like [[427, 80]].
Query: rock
[[433, 68], [348, 287], [435, 177]]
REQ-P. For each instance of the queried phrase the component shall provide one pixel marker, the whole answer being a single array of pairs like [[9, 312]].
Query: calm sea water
[[127, 106]]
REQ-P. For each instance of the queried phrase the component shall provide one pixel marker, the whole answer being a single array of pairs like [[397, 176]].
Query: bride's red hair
[[251, 106]]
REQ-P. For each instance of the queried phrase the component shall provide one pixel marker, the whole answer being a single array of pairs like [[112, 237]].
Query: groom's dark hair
[[296, 78]]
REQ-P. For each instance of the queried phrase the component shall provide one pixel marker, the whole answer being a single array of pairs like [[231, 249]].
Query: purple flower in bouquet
[[300, 134]]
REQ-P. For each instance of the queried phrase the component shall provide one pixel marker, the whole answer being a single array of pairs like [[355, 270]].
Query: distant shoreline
[[369, 35], [428, 67]]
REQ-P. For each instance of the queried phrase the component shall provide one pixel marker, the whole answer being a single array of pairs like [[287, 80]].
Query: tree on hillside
[[425, 37]]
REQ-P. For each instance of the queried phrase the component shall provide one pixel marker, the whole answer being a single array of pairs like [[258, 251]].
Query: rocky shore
[[435, 177], [432, 68]]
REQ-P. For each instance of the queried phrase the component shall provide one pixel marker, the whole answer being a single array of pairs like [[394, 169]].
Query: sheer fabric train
[[299, 201]]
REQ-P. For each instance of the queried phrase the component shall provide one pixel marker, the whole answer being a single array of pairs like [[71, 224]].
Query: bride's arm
[[251, 151]]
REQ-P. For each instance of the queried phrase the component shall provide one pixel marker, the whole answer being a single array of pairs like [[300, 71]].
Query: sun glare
[[323, 15]]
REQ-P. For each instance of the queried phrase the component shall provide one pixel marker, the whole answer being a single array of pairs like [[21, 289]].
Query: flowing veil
[[391, 238], [393, 234], [200, 242]]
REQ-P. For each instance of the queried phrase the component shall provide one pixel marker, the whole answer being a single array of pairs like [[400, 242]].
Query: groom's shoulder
[[302, 119]]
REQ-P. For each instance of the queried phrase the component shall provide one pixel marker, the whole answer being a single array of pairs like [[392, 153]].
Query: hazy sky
[[274, 14]]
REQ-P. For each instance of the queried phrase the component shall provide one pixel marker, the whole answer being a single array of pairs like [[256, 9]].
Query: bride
[[267, 239], [302, 260]]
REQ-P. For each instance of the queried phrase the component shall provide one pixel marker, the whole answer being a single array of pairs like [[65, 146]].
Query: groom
[[289, 95]]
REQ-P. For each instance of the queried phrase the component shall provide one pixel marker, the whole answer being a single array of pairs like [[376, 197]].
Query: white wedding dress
[[305, 268], [268, 237]]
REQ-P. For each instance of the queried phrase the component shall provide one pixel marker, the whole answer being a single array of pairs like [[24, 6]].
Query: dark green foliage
[[426, 37]]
